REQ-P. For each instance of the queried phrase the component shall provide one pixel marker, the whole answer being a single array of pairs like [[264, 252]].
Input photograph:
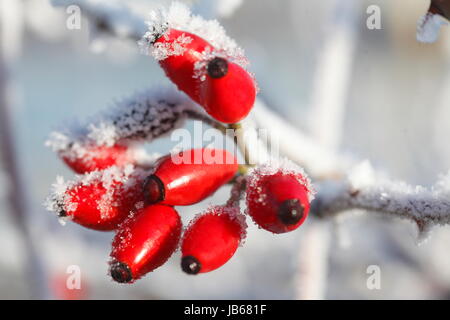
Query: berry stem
[[238, 130], [239, 141], [237, 191], [194, 115]]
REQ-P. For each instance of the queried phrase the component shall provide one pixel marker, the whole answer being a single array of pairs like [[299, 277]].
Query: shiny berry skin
[[278, 202], [211, 240], [144, 242], [101, 207], [97, 158], [180, 68], [228, 93], [182, 180]]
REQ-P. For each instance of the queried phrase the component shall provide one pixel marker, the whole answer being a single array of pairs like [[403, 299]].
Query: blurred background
[[395, 92]]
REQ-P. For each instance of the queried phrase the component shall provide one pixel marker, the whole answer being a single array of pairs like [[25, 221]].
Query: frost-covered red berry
[[278, 197], [186, 50], [100, 200], [228, 92], [225, 89], [212, 239], [98, 158], [203, 62], [144, 242], [190, 176]]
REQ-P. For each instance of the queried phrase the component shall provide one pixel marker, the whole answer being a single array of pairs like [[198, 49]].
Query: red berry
[[211, 239], [180, 68], [224, 88], [190, 176], [278, 201], [102, 200], [144, 242], [229, 92], [91, 158]]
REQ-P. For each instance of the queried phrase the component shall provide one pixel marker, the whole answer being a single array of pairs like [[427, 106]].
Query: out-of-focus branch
[[333, 75], [312, 263], [16, 193], [326, 123], [318, 160]]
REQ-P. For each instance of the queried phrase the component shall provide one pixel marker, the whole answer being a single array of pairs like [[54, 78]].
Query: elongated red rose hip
[[97, 158], [223, 88], [186, 50], [144, 242], [190, 176], [211, 240], [278, 200], [228, 92], [100, 200]]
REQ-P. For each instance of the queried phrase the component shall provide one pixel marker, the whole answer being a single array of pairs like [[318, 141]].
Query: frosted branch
[[367, 190], [144, 116]]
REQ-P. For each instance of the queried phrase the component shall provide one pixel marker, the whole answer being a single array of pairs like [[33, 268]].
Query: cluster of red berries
[[114, 191], [139, 205]]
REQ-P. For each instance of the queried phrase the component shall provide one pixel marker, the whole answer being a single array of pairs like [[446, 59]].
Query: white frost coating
[[428, 27], [283, 166], [424, 206], [362, 175], [179, 17], [117, 182], [161, 51], [232, 211], [144, 116]]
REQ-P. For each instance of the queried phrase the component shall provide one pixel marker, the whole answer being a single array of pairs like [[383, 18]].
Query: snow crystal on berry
[[177, 47], [180, 18], [117, 181], [232, 211], [283, 166], [428, 27], [144, 116]]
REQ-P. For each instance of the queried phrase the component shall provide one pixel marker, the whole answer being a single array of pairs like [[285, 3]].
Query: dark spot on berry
[[217, 68], [157, 35], [120, 272], [190, 265], [62, 213], [154, 190], [291, 211]]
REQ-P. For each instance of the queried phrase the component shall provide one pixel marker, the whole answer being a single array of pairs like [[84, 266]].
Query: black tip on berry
[[190, 265], [154, 190], [217, 67], [120, 272], [291, 212], [62, 213]]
